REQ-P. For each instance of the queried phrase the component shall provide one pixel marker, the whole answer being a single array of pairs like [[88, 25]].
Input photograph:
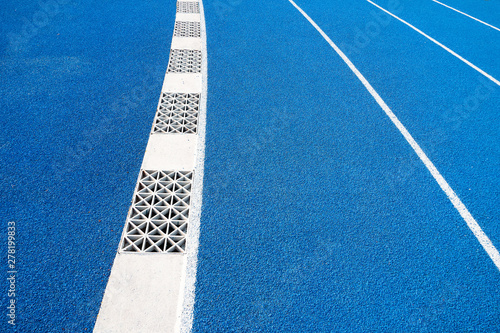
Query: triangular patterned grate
[[184, 61], [158, 218], [177, 113], [187, 29], [188, 7]]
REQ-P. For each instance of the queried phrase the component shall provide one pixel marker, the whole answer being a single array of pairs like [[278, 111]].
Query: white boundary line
[[472, 17], [455, 200], [192, 239], [439, 44]]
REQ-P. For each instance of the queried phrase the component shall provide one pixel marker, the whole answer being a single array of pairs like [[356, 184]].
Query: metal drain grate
[[158, 218], [187, 29], [188, 7], [184, 61], [177, 113]]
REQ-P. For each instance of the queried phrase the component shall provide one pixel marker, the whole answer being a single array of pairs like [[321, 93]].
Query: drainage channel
[[151, 285]]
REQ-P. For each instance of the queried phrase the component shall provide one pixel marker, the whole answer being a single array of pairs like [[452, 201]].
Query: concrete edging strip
[[152, 289]]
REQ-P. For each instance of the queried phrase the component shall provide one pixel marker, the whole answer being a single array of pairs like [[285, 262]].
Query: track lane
[[78, 98], [310, 222], [484, 10], [477, 43], [447, 107]]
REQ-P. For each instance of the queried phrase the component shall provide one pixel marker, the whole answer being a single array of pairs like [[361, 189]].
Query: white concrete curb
[[151, 286]]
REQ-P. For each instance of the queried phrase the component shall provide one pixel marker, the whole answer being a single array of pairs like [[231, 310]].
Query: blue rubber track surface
[[80, 82], [317, 214]]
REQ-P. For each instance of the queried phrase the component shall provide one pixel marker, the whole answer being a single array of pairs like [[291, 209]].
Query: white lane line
[[455, 200], [439, 44], [472, 17], [192, 238]]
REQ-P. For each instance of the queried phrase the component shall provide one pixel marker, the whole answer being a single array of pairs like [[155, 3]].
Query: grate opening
[[158, 218], [177, 113], [184, 61], [187, 29], [188, 7]]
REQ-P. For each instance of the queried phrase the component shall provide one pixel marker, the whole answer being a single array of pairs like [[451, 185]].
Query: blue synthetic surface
[[486, 11], [317, 214], [434, 94], [78, 99]]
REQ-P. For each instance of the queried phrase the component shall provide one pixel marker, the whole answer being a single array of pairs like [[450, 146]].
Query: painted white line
[[192, 239], [472, 17], [455, 200], [439, 44]]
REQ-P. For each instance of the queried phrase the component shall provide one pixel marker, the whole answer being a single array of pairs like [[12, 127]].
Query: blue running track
[[317, 214], [78, 98]]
